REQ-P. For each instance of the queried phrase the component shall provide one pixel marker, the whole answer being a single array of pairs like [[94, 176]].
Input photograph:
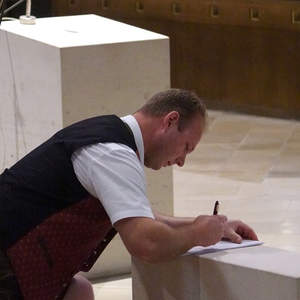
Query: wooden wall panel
[[255, 13], [248, 70], [158, 10], [178, 54], [67, 7]]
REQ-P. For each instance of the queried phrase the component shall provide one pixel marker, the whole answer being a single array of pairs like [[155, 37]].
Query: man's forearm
[[156, 241], [174, 222]]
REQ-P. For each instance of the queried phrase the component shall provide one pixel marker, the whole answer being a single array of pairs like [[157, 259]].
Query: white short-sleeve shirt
[[114, 174]]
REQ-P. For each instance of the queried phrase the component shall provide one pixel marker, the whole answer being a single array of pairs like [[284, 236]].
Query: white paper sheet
[[222, 245]]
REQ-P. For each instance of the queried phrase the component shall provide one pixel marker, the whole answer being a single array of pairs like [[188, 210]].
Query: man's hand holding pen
[[209, 229]]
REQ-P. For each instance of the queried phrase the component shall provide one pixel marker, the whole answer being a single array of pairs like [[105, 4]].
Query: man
[[63, 202]]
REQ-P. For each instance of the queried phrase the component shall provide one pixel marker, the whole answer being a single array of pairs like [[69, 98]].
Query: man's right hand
[[209, 229]]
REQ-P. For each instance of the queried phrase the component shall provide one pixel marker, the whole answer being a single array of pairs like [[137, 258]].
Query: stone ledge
[[260, 273]]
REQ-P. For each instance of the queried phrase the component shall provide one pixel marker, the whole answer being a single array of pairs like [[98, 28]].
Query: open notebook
[[222, 245]]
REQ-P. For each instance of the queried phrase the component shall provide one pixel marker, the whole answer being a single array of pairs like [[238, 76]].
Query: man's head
[[172, 124], [186, 103]]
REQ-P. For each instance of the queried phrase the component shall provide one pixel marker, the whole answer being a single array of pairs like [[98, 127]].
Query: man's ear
[[171, 118]]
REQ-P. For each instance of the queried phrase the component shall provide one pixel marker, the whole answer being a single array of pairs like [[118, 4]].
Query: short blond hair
[[186, 103]]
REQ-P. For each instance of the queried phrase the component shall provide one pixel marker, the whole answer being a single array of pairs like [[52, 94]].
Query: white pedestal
[[260, 273], [65, 69]]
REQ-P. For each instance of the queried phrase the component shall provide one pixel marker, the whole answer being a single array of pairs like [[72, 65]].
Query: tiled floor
[[115, 288], [252, 166]]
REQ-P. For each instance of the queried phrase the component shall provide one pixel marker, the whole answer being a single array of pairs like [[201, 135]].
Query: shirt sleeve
[[112, 173]]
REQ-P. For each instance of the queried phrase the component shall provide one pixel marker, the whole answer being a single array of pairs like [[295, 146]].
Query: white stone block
[[260, 273], [65, 69]]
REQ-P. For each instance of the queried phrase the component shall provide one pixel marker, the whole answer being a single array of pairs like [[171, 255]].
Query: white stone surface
[[260, 273], [82, 30], [65, 69]]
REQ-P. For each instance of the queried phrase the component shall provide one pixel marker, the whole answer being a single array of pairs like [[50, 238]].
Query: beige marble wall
[[65, 69]]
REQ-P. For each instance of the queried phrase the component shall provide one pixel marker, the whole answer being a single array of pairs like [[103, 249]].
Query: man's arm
[[174, 222], [166, 238]]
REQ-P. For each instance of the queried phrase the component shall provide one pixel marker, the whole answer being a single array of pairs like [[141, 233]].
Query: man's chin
[[156, 168]]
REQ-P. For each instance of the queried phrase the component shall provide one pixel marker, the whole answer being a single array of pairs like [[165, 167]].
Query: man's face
[[170, 146]]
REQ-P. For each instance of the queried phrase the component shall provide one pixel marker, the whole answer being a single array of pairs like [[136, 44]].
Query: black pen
[[216, 208]]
